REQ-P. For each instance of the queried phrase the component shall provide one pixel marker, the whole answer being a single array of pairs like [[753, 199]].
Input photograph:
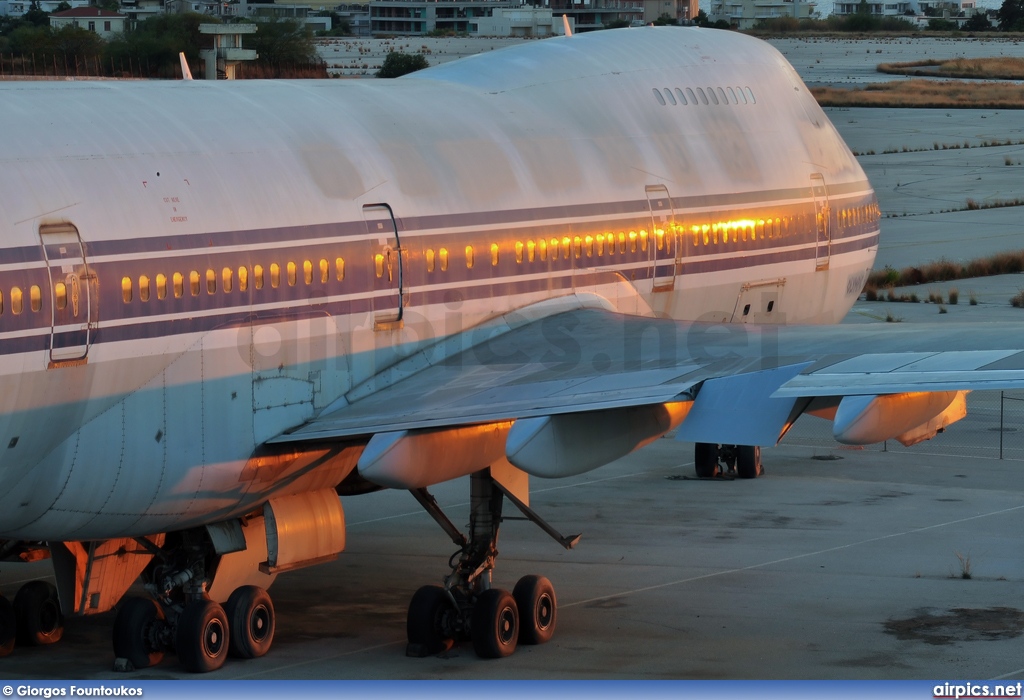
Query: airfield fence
[[992, 429]]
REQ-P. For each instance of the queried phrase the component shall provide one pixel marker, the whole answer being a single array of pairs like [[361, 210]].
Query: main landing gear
[[466, 607], [33, 619], [711, 460], [181, 618]]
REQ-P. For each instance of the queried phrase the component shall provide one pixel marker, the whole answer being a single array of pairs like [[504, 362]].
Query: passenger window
[[600, 244], [643, 241], [681, 96], [275, 275], [712, 96], [430, 259], [722, 97], [161, 286], [325, 271], [750, 95], [35, 298], [494, 254], [17, 302], [226, 276], [339, 269], [703, 97], [443, 255], [577, 247], [293, 274], [378, 264], [1, 303], [243, 278], [60, 296], [519, 251], [658, 97], [739, 90], [211, 282], [690, 96], [144, 288], [632, 241], [589, 241], [469, 256], [193, 283], [257, 273], [179, 285], [566, 243], [126, 290], [732, 97], [531, 251], [669, 96], [543, 245], [307, 272]]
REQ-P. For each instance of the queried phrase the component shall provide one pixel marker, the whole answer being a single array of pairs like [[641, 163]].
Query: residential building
[[17, 8], [745, 14], [103, 22]]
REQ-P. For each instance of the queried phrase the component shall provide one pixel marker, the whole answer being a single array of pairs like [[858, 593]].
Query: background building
[[103, 22]]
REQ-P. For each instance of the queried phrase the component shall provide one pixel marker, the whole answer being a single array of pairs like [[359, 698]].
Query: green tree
[[31, 39], [153, 45], [397, 63], [861, 20], [282, 41], [77, 43], [1011, 15], [664, 19], [63, 6], [978, 22], [941, 25], [36, 16]]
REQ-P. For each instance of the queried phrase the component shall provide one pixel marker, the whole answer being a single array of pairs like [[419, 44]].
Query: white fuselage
[[241, 271]]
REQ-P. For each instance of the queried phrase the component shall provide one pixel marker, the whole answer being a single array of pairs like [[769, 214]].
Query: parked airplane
[[223, 305]]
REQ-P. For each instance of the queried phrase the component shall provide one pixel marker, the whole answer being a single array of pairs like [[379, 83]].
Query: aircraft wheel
[[8, 627], [251, 621], [424, 624], [705, 459], [135, 632], [495, 627], [202, 639], [38, 615], [538, 609], [748, 462]]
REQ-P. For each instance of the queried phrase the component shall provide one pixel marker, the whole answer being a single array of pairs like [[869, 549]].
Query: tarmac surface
[[839, 563]]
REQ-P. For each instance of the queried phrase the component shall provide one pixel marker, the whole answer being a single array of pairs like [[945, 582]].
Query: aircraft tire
[[8, 627], [748, 462], [705, 460], [133, 627], [424, 623], [251, 621], [38, 615], [495, 626], [538, 609], [202, 638]]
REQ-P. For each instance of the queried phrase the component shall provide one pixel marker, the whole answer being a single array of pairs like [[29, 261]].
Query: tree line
[[30, 46]]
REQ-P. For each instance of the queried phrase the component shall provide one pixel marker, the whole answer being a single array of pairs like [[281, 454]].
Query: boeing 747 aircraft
[[227, 307]]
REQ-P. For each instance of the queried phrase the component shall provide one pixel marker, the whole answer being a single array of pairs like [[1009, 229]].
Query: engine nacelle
[[412, 459], [909, 418], [572, 443]]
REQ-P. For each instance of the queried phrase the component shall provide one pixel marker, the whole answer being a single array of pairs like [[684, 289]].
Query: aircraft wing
[[743, 384]]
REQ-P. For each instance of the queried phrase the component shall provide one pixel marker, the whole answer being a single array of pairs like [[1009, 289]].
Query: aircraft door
[[666, 251], [70, 298], [822, 216], [386, 259]]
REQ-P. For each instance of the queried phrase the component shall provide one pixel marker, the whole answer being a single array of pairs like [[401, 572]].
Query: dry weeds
[[925, 94], [1003, 68]]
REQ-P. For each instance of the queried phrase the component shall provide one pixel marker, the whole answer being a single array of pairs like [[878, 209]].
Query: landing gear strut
[[466, 607], [711, 460]]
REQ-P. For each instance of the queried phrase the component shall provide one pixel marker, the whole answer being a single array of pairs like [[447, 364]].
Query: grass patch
[[925, 94], [1002, 68], [944, 270]]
